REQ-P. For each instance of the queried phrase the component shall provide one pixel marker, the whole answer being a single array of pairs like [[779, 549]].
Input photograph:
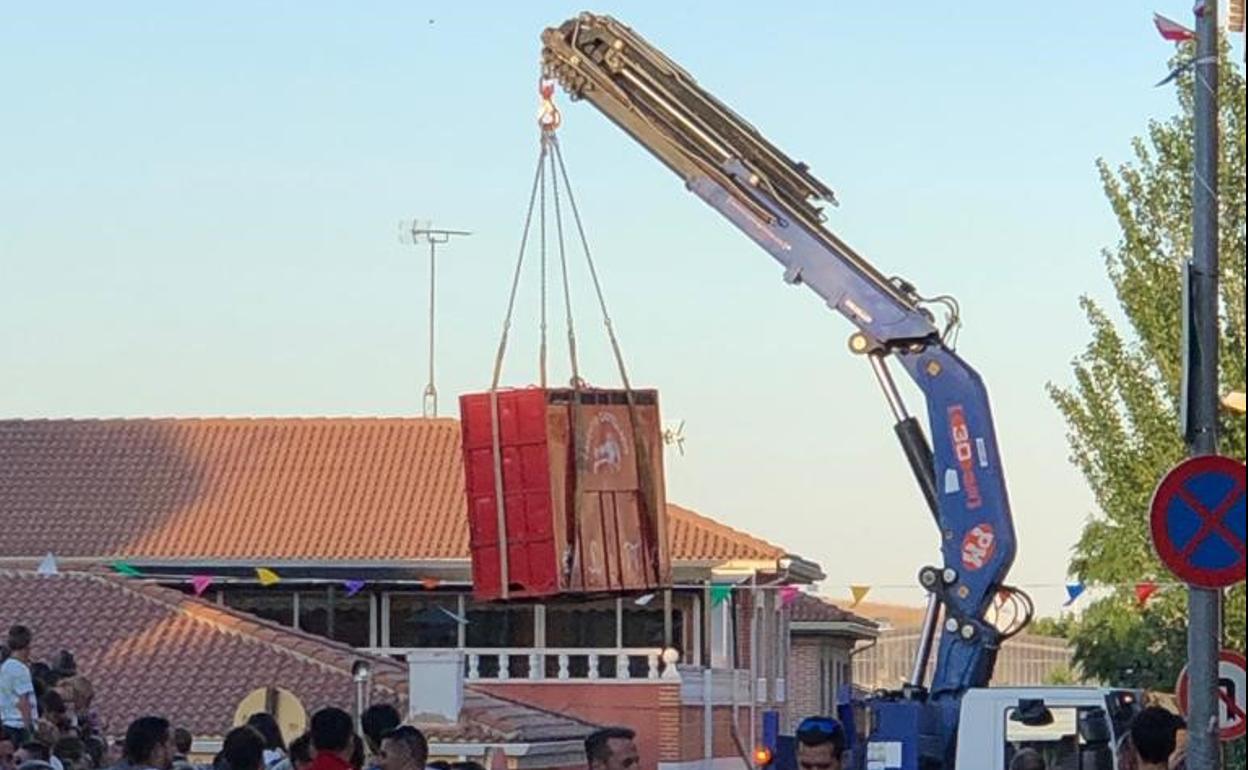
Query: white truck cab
[[1073, 728]]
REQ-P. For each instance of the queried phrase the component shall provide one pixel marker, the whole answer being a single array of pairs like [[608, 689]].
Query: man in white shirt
[[18, 707]]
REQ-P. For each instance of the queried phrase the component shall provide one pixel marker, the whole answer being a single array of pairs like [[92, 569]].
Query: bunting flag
[[1144, 591], [123, 568], [789, 595], [430, 584], [859, 593], [1073, 592], [720, 594], [1172, 30], [353, 587], [1184, 67], [267, 577], [48, 567], [643, 601], [200, 583]]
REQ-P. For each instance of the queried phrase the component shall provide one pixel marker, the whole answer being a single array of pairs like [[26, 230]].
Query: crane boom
[[776, 202]]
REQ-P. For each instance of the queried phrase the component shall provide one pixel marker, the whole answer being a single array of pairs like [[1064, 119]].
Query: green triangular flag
[[720, 594], [122, 568]]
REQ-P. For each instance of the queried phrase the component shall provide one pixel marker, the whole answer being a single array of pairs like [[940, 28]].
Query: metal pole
[[431, 391], [1204, 606]]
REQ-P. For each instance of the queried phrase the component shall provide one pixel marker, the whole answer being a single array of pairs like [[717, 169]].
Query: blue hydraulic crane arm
[[727, 163]]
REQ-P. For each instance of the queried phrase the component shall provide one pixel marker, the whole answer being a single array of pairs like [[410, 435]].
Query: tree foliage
[[1122, 408]]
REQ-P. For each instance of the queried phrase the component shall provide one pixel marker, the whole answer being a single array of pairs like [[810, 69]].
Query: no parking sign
[[1198, 521]]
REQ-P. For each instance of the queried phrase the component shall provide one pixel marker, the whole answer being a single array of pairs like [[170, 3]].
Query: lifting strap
[[549, 119]]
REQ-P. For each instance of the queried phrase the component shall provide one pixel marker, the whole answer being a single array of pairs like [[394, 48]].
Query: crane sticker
[[979, 546], [964, 451]]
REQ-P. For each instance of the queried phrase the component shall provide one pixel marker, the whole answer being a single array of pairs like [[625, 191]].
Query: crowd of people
[[48, 724]]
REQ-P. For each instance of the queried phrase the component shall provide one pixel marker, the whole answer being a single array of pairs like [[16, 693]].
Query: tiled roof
[[153, 650], [813, 609], [148, 649], [386, 489]]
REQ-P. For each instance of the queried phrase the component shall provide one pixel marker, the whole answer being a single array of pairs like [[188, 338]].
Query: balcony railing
[[631, 664]]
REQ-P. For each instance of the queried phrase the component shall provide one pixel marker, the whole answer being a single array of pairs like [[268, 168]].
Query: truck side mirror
[[1094, 727], [1097, 738], [1033, 713]]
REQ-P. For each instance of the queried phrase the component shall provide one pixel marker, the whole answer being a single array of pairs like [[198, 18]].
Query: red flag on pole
[[1144, 591], [1172, 30]]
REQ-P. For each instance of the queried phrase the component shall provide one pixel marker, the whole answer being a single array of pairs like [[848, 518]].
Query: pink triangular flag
[[200, 583], [1172, 30]]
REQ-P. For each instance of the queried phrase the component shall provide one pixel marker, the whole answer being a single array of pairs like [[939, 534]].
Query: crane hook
[[548, 116]]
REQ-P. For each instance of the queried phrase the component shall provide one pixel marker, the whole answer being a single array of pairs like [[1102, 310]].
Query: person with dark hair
[[301, 752], [182, 742], [1155, 733], [403, 748], [820, 744], [612, 748], [34, 755], [8, 754], [274, 746], [70, 750], [19, 704], [96, 749], [333, 738], [468, 765], [243, 749], [149, 743], [1028, 759], [376, 721]]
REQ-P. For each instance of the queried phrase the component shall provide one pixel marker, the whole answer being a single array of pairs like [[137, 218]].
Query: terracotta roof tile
[[813, 609], [387, 489], [148, 649]]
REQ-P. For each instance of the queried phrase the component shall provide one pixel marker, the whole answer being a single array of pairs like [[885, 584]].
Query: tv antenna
[[675, 437], [415, 232]]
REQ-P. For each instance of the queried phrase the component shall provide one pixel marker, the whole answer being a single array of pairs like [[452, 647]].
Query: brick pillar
[[669, 723]]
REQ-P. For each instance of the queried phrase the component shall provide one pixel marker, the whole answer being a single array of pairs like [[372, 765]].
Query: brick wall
[[813, 675], [633, 705]]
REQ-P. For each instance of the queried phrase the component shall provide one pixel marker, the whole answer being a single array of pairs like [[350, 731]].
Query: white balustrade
[[484, 664]]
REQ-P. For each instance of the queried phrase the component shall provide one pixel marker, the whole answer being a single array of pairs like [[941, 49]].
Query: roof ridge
[[727, 529], [164, 597]]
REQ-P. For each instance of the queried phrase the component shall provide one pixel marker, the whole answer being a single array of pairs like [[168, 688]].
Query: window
[[580, 626], [277, 606], [341, 618], [417, 620], [644, 628], [500, 627], [1058, 742]]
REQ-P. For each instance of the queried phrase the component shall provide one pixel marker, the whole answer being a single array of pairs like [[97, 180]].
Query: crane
[[778, 203]]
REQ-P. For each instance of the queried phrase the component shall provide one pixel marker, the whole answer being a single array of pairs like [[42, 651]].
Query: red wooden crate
[[583, 488]]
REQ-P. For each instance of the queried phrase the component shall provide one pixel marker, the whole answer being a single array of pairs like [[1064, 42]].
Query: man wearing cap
[[820, 744]]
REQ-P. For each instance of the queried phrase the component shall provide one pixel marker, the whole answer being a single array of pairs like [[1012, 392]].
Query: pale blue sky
[[198, 208]]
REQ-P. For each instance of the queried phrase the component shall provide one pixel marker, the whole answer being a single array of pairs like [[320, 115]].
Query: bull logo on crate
[[605, 444]]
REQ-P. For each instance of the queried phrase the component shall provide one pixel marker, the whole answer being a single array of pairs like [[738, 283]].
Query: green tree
[[1122, 408]]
